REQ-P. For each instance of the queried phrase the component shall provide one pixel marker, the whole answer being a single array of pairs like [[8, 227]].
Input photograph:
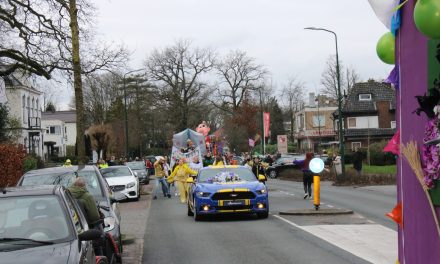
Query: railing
[[34, 122]]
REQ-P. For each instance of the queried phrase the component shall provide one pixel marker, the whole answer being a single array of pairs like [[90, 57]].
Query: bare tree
[[330, 82], [176, 71], [239, 73], [292, 96]]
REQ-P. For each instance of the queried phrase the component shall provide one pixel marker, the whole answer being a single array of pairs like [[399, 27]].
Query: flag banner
[[189, 156], [266, 123], [251, 143]]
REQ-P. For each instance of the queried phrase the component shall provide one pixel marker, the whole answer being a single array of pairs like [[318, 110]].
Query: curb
[[322, 211]]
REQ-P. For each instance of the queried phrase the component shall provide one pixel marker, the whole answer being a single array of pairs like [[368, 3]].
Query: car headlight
[[203, 194], [109, 223], [262, 191], [131, 184]]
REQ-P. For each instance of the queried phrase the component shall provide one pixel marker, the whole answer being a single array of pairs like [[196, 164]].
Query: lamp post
[[262, 122], [125, 106], [340, 127]]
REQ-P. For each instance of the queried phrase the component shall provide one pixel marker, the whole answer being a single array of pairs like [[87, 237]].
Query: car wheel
[[263, 215], [197, 217], [190, 213], [273, 174]]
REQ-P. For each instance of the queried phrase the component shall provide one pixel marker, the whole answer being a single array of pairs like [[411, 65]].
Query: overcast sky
[[271, 31]]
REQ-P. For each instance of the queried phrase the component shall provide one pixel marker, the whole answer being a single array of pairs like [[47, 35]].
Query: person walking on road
[[307, 174], [257, 167], [357, 161], [160, 178], [196, 165], [179, 175]]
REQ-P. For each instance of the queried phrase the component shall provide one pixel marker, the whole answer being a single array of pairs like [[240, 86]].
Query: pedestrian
[[196, 165], [257, 167], [112, 161], [67, 163], [150, 166], [307, 174], [85, 200], [218, 161], [179, 176], [357, 161], [208, 160], [160, 178], [102, 164]]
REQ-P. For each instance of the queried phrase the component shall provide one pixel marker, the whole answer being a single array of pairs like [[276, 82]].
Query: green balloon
[[385, 48], [427, 18]]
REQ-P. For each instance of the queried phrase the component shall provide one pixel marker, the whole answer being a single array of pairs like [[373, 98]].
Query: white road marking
[[374, 243], [331, 206], [287, 193]]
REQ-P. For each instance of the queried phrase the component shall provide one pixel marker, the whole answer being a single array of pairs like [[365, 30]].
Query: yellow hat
[[68, 161]]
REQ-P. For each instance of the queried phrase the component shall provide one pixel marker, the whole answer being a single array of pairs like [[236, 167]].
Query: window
[[364, 97], [23, 105], [56, 130], [393, 124], [74, 214], [351, 122], [318, 120], [355, 145], [28, 108]]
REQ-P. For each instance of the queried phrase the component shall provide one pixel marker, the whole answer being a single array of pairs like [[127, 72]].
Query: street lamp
[[340, 127], [125, 106]]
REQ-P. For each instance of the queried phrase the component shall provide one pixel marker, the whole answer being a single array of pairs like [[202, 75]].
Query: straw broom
[[411, 153]]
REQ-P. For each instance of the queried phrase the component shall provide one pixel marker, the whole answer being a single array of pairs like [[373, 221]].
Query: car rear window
[[66, 179]]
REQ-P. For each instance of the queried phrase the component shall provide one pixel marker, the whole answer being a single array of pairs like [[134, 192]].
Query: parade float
[[413, 47]]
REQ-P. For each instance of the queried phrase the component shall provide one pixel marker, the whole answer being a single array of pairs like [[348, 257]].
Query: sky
[[271, 31]]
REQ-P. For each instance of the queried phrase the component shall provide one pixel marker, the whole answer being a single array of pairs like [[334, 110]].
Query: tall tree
[[330, 82], [276, 119], [177, 70], [238, 73], [292, 95]]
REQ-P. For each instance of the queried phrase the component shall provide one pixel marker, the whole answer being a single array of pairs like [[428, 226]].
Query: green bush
[[30, 163], [382, 158]]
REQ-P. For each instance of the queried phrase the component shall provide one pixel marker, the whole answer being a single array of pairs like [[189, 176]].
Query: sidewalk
[[134, 217]]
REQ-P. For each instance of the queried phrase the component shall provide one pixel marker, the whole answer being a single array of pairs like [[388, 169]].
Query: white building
[[24, 102], [60, 132]]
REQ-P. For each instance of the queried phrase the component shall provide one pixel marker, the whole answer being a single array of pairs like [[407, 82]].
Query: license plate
[[236, 202]]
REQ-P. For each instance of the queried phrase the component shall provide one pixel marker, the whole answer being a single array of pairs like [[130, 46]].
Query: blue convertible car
[[227, 189]]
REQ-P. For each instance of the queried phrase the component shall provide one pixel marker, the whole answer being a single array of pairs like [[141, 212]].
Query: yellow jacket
[[184, 173], [158, 170], [218, 163]]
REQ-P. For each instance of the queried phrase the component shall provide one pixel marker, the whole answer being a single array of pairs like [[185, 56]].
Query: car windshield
[[222, 175], [66, 179], [136, 165], [32, 218], [115, 172]]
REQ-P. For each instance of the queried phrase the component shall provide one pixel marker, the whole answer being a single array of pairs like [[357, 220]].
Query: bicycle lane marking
[[372, 242]]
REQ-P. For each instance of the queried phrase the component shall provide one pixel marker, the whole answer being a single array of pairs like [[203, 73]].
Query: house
[[24, 103], [314, 123], [368, 114], [60, 132]]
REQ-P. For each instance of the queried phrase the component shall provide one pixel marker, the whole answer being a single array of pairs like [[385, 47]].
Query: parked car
[[139, 169], [280, 164], [43, 224], [96, 185], [227, 189], [122, 180]]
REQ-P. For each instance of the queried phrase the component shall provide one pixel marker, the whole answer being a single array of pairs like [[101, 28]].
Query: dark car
[[43, 224], [280, 164], [139, 169], [96, 185]]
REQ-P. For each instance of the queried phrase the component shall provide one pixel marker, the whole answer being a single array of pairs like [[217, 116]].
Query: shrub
[[29, 163], [11, 164]]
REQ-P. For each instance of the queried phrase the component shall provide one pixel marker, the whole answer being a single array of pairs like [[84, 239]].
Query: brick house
[[369, 114]]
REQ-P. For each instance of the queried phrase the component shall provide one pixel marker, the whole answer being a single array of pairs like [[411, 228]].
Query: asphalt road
[[173, 237]]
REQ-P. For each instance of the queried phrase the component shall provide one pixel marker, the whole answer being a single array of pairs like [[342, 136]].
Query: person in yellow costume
[[179, 175], [68, 163]]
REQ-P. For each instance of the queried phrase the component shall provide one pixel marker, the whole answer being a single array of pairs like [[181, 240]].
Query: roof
[[369, 132], [28, 190], [65, 116], [14, 82], [380, 92]]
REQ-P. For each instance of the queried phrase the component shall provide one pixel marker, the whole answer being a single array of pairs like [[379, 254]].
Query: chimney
[[312, 99]]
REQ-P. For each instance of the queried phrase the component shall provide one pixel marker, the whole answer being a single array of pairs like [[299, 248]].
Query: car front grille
[[233, 196], [117, 188]]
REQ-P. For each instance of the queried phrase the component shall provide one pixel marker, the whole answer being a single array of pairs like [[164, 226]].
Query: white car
[[122, 179]]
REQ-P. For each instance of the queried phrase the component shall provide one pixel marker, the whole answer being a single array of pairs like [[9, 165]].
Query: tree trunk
[[77, 83]]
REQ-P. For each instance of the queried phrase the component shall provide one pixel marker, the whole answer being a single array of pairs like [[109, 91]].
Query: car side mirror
[[190, 180], [91, 234], [262, 178]]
